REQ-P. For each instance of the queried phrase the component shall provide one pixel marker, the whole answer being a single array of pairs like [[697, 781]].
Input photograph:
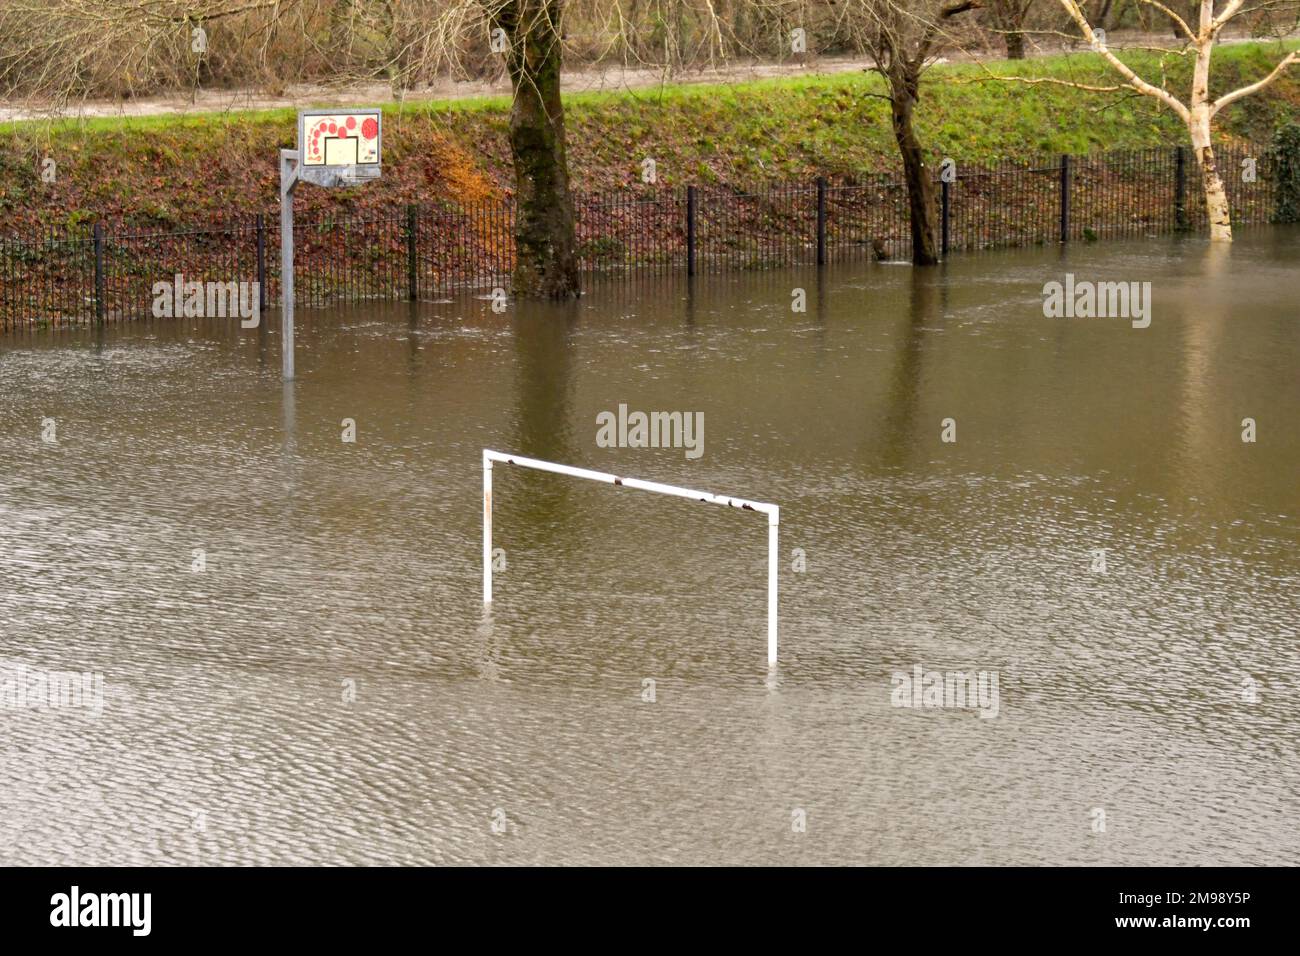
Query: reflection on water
[[329, 688]]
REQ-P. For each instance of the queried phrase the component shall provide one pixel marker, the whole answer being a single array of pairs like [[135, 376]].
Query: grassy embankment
[[180, 170]]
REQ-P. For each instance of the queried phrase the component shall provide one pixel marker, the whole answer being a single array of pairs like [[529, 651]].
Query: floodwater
[[329, 689]]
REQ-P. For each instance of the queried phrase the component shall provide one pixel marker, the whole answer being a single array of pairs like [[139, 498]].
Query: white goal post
[[772, 511]]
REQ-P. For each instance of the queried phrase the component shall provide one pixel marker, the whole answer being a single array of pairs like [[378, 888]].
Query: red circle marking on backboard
[[352, 122], [370, 129]]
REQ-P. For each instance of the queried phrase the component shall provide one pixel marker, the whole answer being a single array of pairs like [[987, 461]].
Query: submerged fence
[[107, 272]]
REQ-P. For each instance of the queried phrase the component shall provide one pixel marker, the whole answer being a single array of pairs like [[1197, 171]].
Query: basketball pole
[[288, 179], [306, 163]]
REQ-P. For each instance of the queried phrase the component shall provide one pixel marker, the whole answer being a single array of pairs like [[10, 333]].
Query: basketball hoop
[[340, 141], [335, 148]]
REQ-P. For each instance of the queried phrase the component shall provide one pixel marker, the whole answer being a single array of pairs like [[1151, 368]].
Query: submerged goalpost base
[[772, 511]]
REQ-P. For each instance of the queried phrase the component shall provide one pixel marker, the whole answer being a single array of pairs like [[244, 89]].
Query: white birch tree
[[1197, 110]]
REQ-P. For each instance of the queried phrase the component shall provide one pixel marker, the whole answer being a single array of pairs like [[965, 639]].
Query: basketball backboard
[[339, 147]]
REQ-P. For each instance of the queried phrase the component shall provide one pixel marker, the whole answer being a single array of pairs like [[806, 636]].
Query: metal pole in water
[[487, 529], [690, 230], [98, 234], [821, 220], [288, 179], [412, 278], [1065, 197], [261, 264], [1180, 188], [773, 523], [945, 209]]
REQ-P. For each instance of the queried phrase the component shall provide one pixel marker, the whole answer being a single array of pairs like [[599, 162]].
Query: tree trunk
[[546, 262], [1216, 197], [920, 191], [1008, 18], [1103, 15], [1199, 113], [395, 49]]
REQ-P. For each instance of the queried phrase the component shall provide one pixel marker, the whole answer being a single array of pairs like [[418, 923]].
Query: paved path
[[578, 80]]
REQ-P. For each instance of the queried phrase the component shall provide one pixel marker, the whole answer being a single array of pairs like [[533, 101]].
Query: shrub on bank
[[1285, 155]]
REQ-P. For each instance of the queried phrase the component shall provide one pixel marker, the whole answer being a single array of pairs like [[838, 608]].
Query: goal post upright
[[773, 513], [487, 528], [773, 529]]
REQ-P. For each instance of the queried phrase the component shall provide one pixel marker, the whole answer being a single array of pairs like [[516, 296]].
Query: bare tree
[[1199, 110], [903, 38]]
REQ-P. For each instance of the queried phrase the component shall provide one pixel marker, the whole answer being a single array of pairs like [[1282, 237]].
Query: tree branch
[[1237, 94], [1230, 11], [1187, 30], [1135, 81]]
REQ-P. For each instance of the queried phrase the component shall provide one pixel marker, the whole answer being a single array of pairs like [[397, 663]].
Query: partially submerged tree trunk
[[1198, 127], [546, 260], [902, 38], [1216, 196], [920, 190]]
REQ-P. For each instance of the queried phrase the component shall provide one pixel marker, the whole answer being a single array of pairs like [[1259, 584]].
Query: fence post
[[261, 263], [98, 234], [412, 287], [1180, 188], [945, 214], [1065, 197], [821, 220], [690, 230]]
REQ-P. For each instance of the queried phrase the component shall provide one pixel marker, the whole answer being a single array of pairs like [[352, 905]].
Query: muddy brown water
[[329, 688]]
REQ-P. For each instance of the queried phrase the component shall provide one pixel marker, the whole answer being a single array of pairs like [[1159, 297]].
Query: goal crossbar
[[772, 511]]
